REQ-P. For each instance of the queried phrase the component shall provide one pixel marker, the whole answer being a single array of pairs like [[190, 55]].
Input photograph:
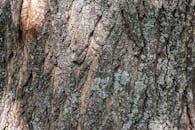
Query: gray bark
[[97, 65]]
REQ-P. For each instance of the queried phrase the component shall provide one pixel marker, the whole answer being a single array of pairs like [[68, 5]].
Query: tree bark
[[97, 65]]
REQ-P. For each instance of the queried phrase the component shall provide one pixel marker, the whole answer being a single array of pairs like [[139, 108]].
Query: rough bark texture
[[97, 65]]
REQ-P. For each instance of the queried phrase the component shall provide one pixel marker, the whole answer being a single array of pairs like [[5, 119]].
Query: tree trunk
[[97, 65]]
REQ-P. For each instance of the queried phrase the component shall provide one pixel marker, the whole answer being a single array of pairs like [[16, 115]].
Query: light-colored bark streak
[[54, 84], [10, 114], [28, 14], [25, 14], [136, 66], [32, 13], [90, 73], [45, 52], [32, 17], [87, 82]]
